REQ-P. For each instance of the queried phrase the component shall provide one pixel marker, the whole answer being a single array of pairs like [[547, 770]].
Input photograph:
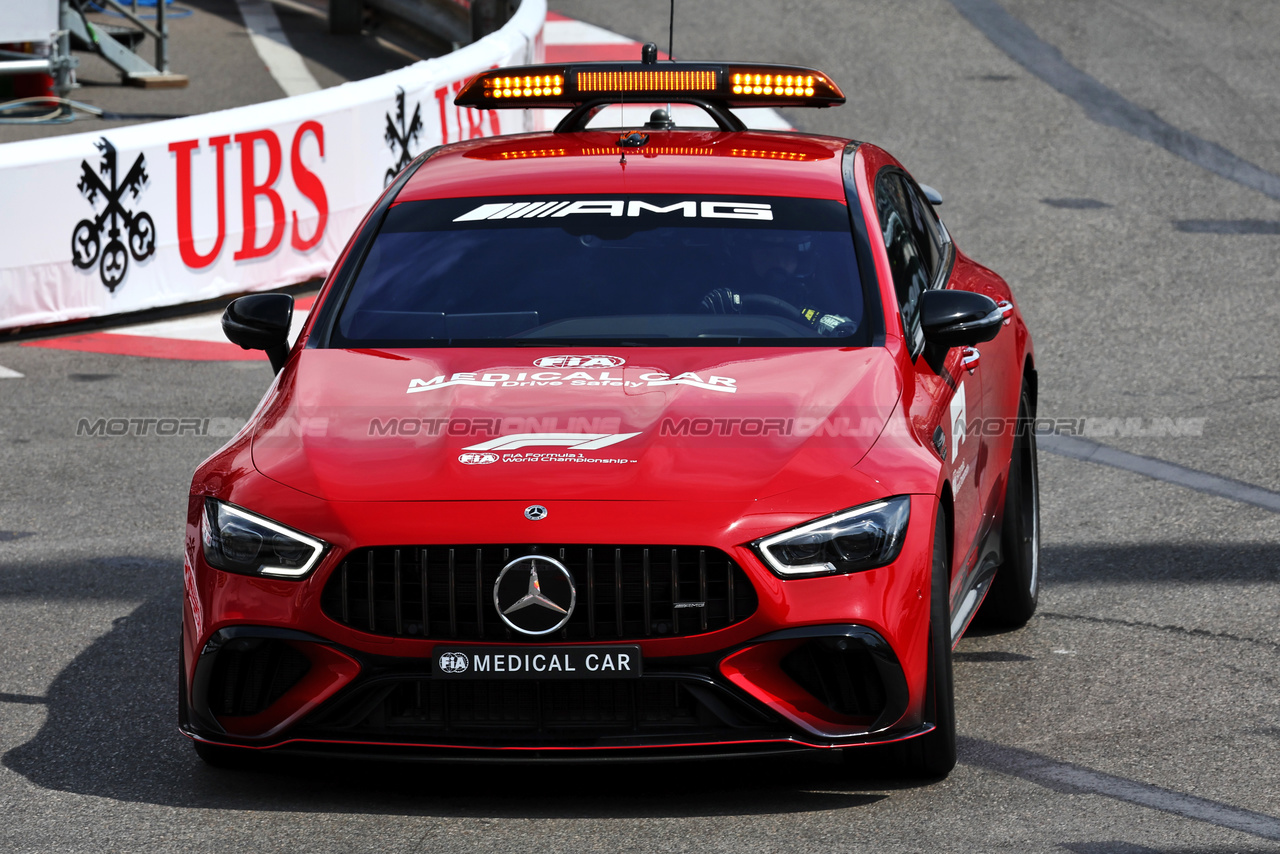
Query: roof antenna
[[671, 32], [622, 161], [671, 38]]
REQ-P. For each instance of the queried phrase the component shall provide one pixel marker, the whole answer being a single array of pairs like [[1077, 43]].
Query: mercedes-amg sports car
[[646, 442]]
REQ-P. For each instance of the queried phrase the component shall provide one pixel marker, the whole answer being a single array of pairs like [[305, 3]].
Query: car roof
[[711, 162]]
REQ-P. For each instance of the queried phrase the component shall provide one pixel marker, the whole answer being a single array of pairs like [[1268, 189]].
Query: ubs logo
[[127, 232], [400, 135], [580, 362]]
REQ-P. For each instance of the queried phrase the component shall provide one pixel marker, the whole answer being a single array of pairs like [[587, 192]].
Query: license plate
[[536, 662]]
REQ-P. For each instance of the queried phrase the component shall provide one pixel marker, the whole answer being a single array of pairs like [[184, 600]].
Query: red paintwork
[[589, 164], [336, 398], [307, 458], [755, 670]]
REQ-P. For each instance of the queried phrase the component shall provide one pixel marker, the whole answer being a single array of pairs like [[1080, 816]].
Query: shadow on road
[[111, 732], [110, 729]]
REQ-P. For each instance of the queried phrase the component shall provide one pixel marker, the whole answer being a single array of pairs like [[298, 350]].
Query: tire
[[221, 756], [933, 755], [346, 17], [1016, 587]]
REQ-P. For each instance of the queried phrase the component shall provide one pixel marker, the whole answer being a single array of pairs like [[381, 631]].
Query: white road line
[[200, 327], [1078, 448], [9, 374], [1065, 776], [269, 40]]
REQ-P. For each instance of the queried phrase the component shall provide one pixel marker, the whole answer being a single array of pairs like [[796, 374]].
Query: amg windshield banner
[[248, 199]]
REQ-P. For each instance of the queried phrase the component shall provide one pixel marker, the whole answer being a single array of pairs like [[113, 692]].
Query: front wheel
[[932, 755], [1016, 587]]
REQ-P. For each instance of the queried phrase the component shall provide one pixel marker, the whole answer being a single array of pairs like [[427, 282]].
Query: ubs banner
[[241, 200]]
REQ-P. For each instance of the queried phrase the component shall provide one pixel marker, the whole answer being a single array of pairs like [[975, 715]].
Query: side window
[[925, 229], [910, 274]]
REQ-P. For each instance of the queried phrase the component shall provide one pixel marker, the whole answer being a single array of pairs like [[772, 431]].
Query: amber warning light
[[612, 82]]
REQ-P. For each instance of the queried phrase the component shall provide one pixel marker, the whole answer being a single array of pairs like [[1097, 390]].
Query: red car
[[621, 443]]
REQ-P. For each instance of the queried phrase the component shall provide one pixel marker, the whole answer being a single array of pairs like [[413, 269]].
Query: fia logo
[[137, 229], [454, 662], [399, 135], [579, 362]]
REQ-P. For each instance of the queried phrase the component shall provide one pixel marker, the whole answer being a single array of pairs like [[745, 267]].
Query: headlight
[[236, 540], [849, 541]]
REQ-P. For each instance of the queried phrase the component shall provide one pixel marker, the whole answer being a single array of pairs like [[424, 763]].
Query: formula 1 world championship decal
[[399, 136], [127, 233]]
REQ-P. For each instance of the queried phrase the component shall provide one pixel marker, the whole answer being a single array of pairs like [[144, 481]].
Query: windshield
[[633, 270]]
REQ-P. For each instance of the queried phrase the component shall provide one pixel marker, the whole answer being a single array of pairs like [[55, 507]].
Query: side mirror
[[261, 322], [958, 318], [934, 197]]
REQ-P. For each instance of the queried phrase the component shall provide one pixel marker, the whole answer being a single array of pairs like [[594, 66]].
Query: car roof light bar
[[586, 87]]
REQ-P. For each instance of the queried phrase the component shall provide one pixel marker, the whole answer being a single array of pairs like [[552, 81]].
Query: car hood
[[505, 424]]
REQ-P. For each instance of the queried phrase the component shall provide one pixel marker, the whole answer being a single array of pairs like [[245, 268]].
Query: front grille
[[530, 711], [624, 592], [527, 705], [250, 674]]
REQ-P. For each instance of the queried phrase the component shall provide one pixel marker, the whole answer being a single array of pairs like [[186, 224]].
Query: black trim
[[742, 717], [344, 277], [197, 715], [942, 276], [873, 309], [530, 714], [559, 756], [580, 115], [895, 682]]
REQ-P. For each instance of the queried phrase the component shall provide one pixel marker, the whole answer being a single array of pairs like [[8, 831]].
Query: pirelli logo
[[618, 208]]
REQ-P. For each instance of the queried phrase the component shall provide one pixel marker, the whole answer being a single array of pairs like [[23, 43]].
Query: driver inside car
[[780, 280]]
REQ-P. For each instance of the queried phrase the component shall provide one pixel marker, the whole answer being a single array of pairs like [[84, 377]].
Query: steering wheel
[[769, 304]]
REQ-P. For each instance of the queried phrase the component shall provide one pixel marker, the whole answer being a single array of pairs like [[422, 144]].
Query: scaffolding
[[57, 23]]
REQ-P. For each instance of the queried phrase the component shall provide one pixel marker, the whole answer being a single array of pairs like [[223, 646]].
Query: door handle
[[1006, 308], [969, 359]]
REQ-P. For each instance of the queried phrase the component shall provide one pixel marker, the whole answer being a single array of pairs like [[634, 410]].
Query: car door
[[998, 370], [946, 398]]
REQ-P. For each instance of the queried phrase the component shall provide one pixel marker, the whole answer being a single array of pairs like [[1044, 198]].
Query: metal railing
[[133, 68]]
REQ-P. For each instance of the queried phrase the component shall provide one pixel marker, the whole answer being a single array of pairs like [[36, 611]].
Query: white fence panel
[[246, 199]]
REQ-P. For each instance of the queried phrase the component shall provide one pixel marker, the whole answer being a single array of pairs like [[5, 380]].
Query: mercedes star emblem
[[531, 604], [535, 512]]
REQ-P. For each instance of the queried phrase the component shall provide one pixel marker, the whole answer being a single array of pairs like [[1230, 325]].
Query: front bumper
[[814, 687]]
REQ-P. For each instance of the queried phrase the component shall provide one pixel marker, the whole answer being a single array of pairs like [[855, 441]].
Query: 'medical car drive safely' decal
[[568, 379]]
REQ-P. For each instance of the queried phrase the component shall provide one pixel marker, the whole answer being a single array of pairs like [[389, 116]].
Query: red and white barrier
[[246, 199]]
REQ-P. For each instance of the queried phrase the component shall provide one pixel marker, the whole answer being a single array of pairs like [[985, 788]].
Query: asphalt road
[[208, 43], [1111, 159]]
